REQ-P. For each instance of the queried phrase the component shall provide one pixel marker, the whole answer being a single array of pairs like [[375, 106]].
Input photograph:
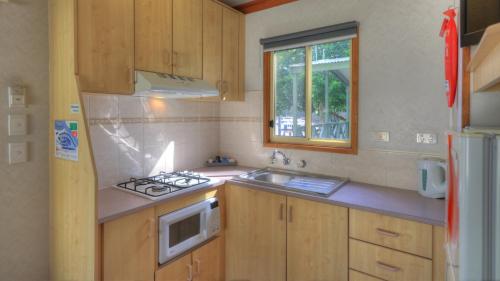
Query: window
[[311, 95]]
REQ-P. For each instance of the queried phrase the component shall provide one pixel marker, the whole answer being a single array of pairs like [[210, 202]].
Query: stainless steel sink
[[295, 181]]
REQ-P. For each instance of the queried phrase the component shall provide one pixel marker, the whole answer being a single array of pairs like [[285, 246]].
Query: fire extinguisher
[[449, 32]]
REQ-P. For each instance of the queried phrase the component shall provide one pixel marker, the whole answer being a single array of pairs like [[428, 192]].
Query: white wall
[[24, 192], [401, 86]]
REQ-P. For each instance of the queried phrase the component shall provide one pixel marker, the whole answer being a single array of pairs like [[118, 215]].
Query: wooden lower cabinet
[[203, 264], [272, 237], [208, 261], [388, 264], [358, 276], [255, 235], [178, 270], [128, 246], [317, 242]]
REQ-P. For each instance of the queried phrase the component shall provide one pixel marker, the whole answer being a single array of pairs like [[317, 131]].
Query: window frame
[[333, 146]]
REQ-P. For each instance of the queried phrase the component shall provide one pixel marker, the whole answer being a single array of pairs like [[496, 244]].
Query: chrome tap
[[286, 160]]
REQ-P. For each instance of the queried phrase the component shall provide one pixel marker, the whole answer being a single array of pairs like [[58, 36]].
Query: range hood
[[150, 84]]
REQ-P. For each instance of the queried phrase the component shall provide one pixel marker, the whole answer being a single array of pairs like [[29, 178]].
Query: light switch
[[18, 152], [382, 136], [18, 125], [17, 96]]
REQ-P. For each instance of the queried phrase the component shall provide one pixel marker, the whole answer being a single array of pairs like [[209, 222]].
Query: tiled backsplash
[[136, 137], [242, 140]]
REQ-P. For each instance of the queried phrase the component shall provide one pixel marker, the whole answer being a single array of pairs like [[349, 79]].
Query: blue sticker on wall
[[66, 140]]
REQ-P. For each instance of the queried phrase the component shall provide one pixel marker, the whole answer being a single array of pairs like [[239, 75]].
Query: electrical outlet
[[426, 138], [382, 136], [18, 152]]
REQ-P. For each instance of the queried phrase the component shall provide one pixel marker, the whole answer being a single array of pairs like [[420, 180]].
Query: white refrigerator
[[477, 250]]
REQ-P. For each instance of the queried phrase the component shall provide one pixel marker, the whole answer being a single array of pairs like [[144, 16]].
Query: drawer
[[388, 264], [358, 276], [399, 234]]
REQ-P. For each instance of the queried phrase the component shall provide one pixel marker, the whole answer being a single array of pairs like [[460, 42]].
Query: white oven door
[[181, 230]]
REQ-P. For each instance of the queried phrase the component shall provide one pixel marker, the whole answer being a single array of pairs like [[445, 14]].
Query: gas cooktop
[[164, 184]]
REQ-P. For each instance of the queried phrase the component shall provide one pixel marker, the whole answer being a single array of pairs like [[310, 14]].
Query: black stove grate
[[166, 182]]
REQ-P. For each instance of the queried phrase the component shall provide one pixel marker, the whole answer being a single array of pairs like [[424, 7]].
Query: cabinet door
[[255, 235], [188, 37], [178, 270], [208, 263], [128, 248], [105, 46], [153, 35], [212, 42], [317, 242], [231, 59]]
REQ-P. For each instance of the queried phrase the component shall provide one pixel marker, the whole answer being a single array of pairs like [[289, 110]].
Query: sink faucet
[[286, 160]]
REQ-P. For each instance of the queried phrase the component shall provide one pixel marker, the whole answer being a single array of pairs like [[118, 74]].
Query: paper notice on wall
[[66, 140]]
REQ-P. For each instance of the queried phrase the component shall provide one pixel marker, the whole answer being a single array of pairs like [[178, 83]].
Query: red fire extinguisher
[[449, 32]]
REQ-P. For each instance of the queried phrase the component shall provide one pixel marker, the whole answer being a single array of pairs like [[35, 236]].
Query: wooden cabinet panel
[[317, 242], [230, 88], [129, 248], [212, 42], [358, 276], [438, 255], [153, 35], [399, 234], [208, 262], [388, 264], [187, 38], [178, 270], [105, 46], [255, 235]]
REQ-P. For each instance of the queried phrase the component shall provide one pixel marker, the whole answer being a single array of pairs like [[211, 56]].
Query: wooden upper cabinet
[[105, 46], [317, 241], [208, 262], [188, 38], [255, 235], [212, 42], [233, 30], [129, 247], [153, 35]]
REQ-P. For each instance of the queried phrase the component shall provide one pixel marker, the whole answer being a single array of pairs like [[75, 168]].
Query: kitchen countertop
[[114, 203], [406, 204]]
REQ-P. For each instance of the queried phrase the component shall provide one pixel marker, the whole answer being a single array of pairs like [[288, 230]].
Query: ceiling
[[235, 2]]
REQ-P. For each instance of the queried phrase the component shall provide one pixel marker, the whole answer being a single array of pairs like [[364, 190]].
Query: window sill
[[320, 148]]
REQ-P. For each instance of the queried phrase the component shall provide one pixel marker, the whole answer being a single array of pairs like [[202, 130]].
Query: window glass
[[289, 89], [331, 80]]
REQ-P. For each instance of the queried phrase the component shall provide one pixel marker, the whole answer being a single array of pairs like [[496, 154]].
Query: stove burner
[[158, 188], [162, 184]]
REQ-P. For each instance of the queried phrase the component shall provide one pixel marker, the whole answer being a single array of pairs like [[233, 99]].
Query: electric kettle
[[432, 180]]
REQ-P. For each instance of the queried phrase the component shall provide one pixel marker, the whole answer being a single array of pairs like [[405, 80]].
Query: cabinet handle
[[388, 267], [174, 59], [387, 233], [151, 227], [282, 209], [190, 272], [197, 264], [166, 57], [217, 85], [290, 214]]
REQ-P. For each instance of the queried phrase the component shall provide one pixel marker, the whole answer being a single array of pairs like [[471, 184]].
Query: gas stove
[[164, 185]]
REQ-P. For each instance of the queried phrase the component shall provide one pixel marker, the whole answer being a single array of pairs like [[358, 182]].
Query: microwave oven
[[187, 228]]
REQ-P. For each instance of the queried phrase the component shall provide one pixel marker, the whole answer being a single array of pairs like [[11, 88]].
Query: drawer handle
[[387, 232], [388, 267]]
